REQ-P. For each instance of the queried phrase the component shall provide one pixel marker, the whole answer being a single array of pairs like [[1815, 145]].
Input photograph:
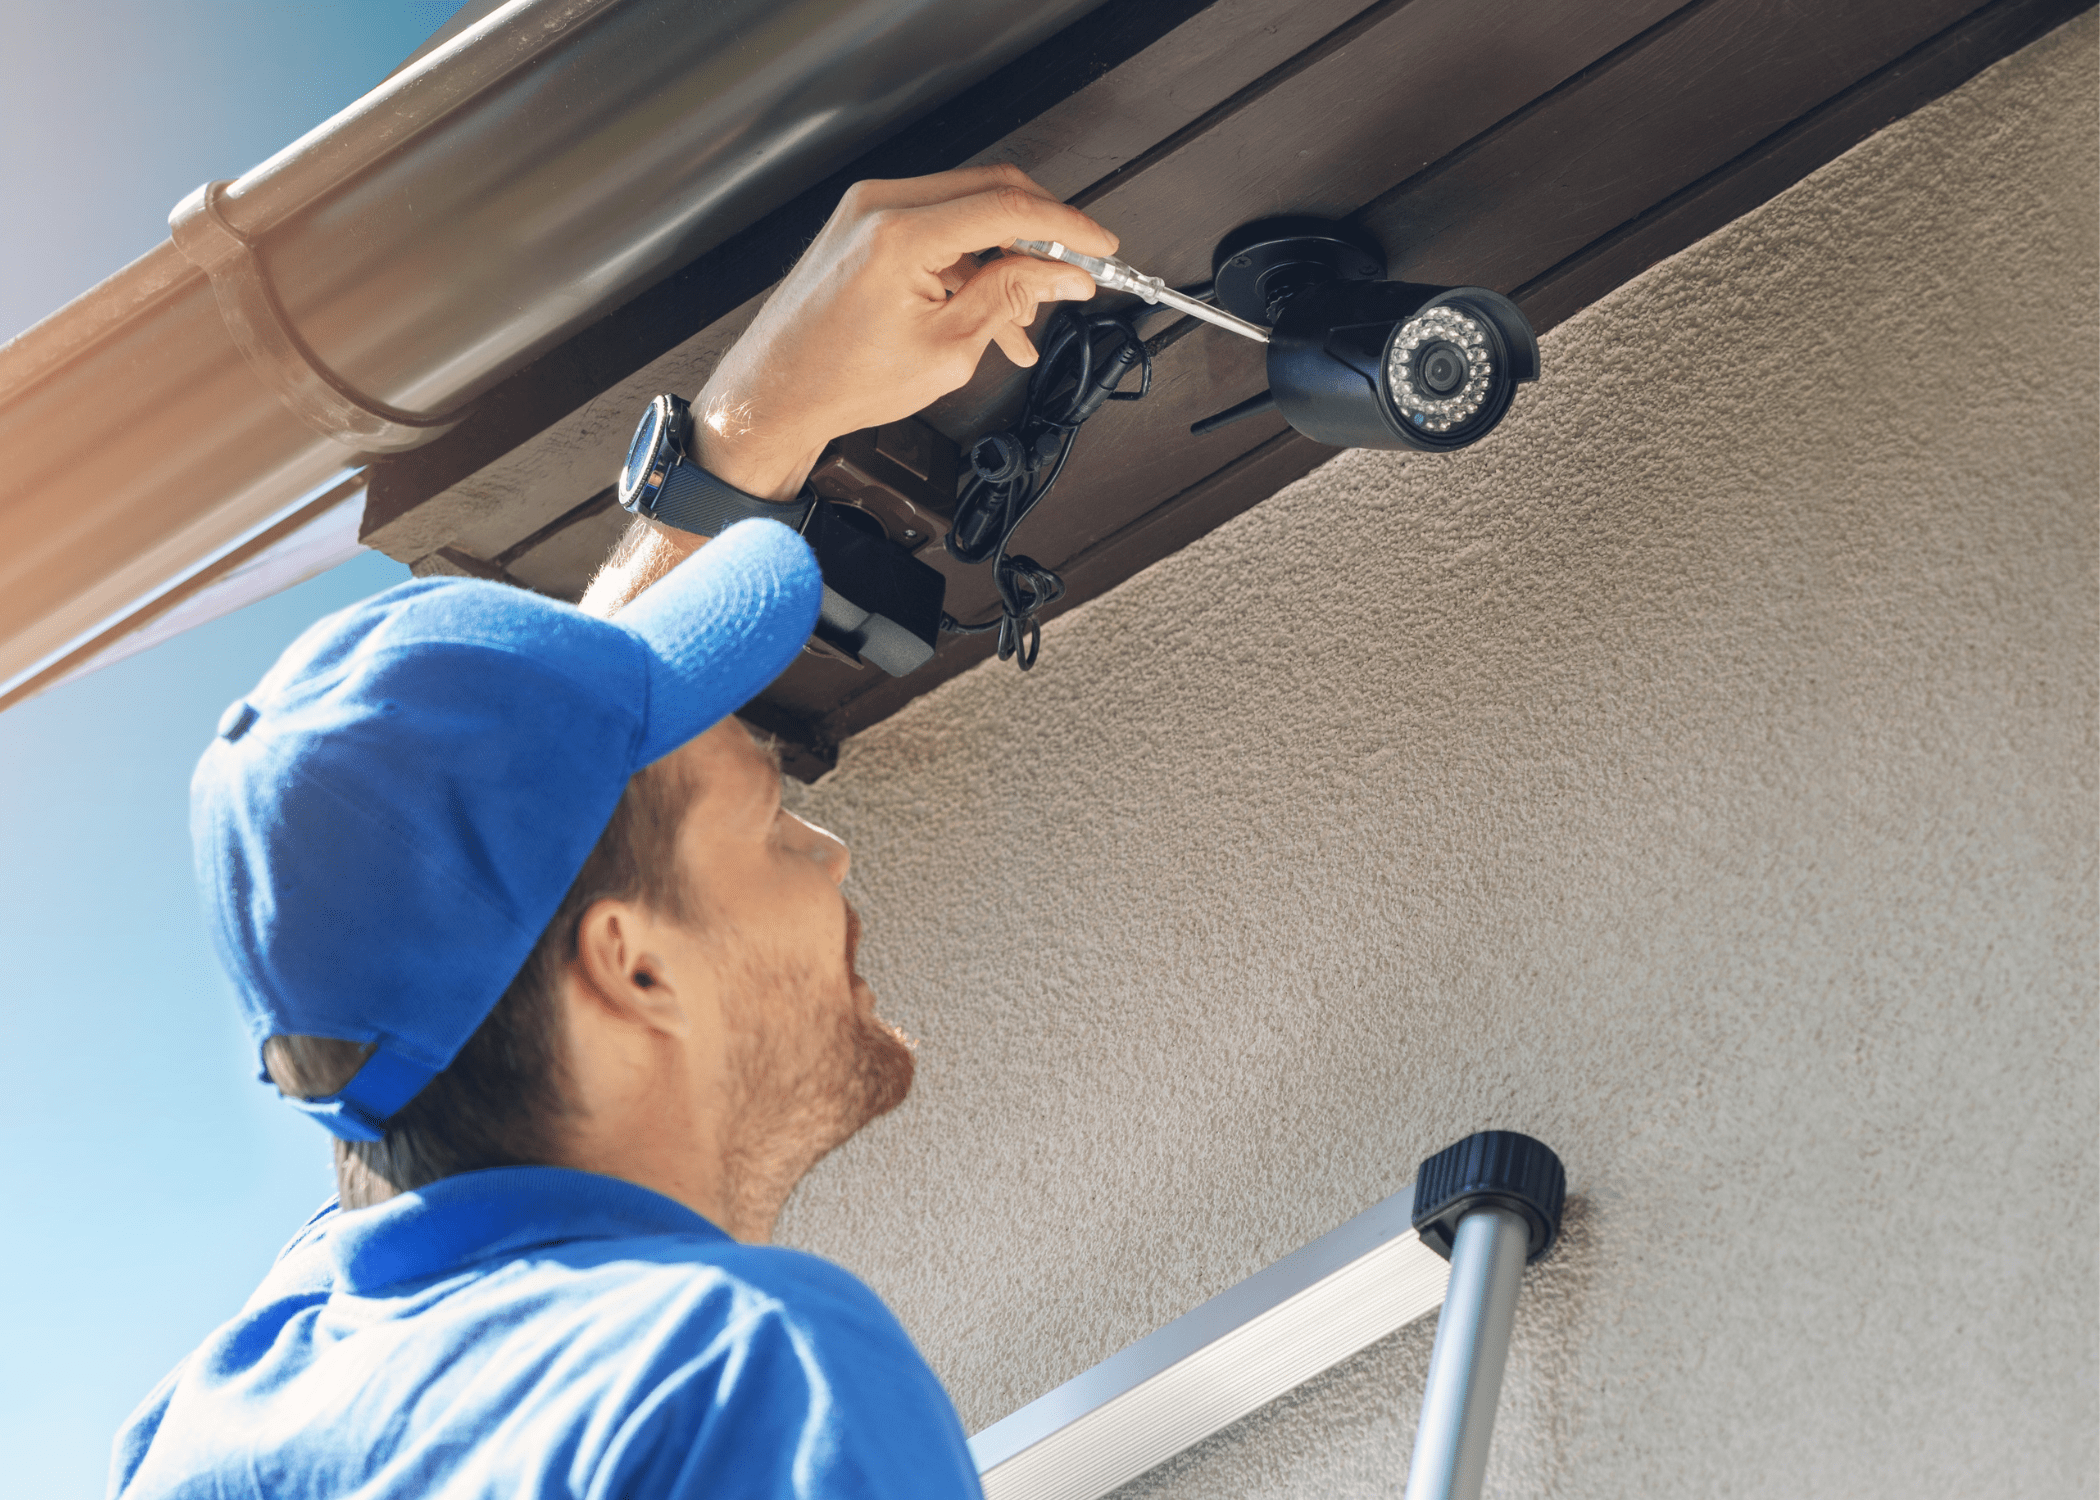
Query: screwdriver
[[1114, 276]]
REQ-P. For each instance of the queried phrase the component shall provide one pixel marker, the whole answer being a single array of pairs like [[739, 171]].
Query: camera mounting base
[[1258, 266]]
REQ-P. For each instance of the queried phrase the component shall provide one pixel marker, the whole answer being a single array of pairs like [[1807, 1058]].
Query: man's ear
[[618, 961]]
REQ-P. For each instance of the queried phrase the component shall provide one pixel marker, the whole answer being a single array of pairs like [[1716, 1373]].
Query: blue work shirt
[[533, 1331]]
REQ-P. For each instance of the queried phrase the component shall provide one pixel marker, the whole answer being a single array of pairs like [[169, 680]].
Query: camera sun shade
[[1358, 362]]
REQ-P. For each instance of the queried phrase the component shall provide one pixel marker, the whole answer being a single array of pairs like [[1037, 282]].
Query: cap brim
[[720, 627]]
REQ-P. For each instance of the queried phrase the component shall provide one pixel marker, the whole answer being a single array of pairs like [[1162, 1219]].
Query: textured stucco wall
[[1699, 775]]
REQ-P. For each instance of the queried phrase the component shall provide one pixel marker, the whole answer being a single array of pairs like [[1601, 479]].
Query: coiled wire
[[1081, 362]]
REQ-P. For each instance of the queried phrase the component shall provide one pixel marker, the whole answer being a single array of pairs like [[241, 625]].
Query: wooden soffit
[[1545, 150]]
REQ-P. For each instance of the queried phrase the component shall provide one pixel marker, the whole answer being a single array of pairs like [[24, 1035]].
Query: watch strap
[[692, 499]]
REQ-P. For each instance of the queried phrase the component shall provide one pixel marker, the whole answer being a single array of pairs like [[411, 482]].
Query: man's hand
[[887, 311]]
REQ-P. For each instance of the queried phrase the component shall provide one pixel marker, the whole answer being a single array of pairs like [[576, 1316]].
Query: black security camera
[[1360, 362]]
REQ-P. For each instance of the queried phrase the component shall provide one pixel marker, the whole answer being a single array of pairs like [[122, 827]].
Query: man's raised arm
[[887, 311]]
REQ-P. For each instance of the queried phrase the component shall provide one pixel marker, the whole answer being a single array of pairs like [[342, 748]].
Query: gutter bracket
[[256, 322]]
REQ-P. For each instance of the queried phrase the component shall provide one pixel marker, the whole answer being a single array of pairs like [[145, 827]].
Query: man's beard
[[808, 1071]]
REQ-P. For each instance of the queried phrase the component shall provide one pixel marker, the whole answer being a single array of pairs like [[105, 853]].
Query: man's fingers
[[1014, 343], [999, 302], [944, 187], [942, 231], [953, 277]]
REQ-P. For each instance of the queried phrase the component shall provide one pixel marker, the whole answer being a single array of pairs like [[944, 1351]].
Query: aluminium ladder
[[1460, 1235]]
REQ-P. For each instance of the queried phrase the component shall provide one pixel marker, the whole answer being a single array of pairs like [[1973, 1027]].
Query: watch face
[[636, 473]]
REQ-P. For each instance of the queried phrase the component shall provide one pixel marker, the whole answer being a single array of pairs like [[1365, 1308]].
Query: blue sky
[[146, 1180]]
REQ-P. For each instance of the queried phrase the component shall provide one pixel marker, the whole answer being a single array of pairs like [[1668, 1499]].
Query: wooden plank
[[1936, 67], [1159, 90], [1659, 113], [561, 559], [1403, 85]]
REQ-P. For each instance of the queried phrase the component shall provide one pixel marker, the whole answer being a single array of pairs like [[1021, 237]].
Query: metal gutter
[[545, 165], [409, 102]]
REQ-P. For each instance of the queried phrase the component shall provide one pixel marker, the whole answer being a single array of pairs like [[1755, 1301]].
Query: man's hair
[[500, 1102]]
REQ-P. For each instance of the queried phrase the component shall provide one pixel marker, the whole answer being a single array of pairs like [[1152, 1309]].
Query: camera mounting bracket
[[1257, 267]]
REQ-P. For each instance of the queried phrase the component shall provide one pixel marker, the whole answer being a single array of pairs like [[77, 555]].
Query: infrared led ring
[[1439, 366]]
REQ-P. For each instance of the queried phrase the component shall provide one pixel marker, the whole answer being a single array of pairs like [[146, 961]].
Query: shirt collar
[[479, 1216]]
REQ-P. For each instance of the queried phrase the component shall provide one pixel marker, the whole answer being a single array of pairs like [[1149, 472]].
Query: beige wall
[[1699, 775]]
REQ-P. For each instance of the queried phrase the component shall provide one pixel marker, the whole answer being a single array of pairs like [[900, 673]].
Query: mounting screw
[[1261, 265]]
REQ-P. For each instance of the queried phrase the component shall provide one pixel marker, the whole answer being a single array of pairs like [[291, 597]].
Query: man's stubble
[[809, 1066]]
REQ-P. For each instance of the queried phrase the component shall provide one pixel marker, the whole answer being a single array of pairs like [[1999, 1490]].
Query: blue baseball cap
[[387, 823]]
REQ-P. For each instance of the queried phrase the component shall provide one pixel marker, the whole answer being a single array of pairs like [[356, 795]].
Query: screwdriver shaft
[[1217, 316], [1114, 276]]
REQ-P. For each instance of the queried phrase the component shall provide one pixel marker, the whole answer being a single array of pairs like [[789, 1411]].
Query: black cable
[[1014, 469]]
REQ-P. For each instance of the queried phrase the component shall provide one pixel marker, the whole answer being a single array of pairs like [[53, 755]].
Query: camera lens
[[1442, 368], [1438, 369]]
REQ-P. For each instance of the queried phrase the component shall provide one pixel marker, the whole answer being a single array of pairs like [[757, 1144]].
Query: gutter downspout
[[369, 281]]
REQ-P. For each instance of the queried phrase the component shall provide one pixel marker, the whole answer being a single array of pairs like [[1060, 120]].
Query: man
[[512, 907]]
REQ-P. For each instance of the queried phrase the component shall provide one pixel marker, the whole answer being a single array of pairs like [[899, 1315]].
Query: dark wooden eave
[[1544, 150]]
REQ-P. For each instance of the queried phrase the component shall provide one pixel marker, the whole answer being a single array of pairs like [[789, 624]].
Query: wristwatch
[[660, 481], [880, 604]]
